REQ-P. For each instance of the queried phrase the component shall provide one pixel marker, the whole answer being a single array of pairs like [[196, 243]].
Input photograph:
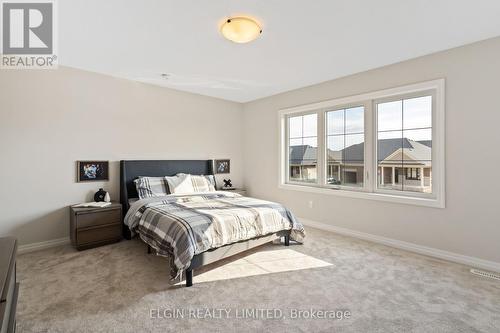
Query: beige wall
[[470, 223], [51, 119]]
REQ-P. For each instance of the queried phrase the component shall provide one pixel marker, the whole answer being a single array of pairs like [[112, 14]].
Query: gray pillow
[[148, 187]]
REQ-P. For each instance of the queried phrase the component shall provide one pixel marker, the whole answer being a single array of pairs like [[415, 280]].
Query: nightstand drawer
[[98, 234], [93, 219]]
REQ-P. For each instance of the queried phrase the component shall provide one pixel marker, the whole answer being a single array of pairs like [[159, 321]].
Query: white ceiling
[[303, 42]]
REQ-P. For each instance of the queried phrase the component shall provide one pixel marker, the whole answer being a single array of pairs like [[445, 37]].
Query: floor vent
[[485, 274]]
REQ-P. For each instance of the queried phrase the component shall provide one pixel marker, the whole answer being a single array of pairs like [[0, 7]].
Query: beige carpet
[[114, 288]]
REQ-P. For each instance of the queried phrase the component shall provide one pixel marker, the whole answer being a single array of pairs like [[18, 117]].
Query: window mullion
[[321, 148], [286, 153], [369, 163]]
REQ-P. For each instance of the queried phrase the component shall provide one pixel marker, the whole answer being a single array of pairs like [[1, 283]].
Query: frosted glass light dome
[[241, 29]]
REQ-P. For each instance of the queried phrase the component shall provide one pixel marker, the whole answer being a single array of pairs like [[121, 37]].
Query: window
[[345, 153], [386, 145], [404, 142], [412, 173], [303, 148]]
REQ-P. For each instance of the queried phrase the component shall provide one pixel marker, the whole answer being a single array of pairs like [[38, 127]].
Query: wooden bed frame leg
[[287, 240], [149, 249], [189, 277]]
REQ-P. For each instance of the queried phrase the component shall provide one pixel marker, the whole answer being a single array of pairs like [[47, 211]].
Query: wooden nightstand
[[240, 191], [92, 227]]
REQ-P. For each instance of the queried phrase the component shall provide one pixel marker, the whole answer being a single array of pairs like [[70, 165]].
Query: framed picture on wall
[[93, 171], [222, 166]]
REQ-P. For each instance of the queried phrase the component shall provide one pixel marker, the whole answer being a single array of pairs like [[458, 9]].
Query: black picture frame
[[222, 166], [92, 171]]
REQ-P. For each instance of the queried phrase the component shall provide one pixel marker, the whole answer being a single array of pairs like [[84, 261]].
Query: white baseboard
[[428, 251], [42, 245]]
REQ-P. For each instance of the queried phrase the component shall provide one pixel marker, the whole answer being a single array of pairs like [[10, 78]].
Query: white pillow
[[180, 184]]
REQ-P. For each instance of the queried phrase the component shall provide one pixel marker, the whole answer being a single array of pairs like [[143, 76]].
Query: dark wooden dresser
[[92, 227], [9, 288]]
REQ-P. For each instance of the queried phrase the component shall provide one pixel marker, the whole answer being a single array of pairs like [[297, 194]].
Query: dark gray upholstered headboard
[[130, 170]]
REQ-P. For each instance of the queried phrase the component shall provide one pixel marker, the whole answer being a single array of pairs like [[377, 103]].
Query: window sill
[[427, 202]]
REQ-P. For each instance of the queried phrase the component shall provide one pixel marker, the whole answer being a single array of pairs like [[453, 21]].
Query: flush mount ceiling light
[[240, 29]]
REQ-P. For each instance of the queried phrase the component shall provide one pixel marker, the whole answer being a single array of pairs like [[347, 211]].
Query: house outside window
[[386, 145]]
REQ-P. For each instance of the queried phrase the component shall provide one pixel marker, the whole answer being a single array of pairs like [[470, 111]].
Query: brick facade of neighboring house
[[402, 164]]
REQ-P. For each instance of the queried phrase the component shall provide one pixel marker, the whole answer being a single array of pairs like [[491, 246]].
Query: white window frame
[[369, 190], [320, 162], [367, 153]]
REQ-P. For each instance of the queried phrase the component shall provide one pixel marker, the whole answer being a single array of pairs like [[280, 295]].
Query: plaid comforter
[[182, 226]]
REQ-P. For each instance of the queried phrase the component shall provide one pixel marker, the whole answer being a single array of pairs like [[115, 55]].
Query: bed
[[192, 229]]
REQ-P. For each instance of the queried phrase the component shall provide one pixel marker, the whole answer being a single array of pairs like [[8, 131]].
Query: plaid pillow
[[203, 183], [150, 187], [184, 183], [211, 179]]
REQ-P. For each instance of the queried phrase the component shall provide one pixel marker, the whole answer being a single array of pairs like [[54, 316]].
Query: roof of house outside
[[428, 143], [387, 149]]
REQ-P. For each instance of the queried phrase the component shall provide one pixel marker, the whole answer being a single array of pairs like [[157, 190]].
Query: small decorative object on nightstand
[[227, 184], [100, 195], [92, 227]]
